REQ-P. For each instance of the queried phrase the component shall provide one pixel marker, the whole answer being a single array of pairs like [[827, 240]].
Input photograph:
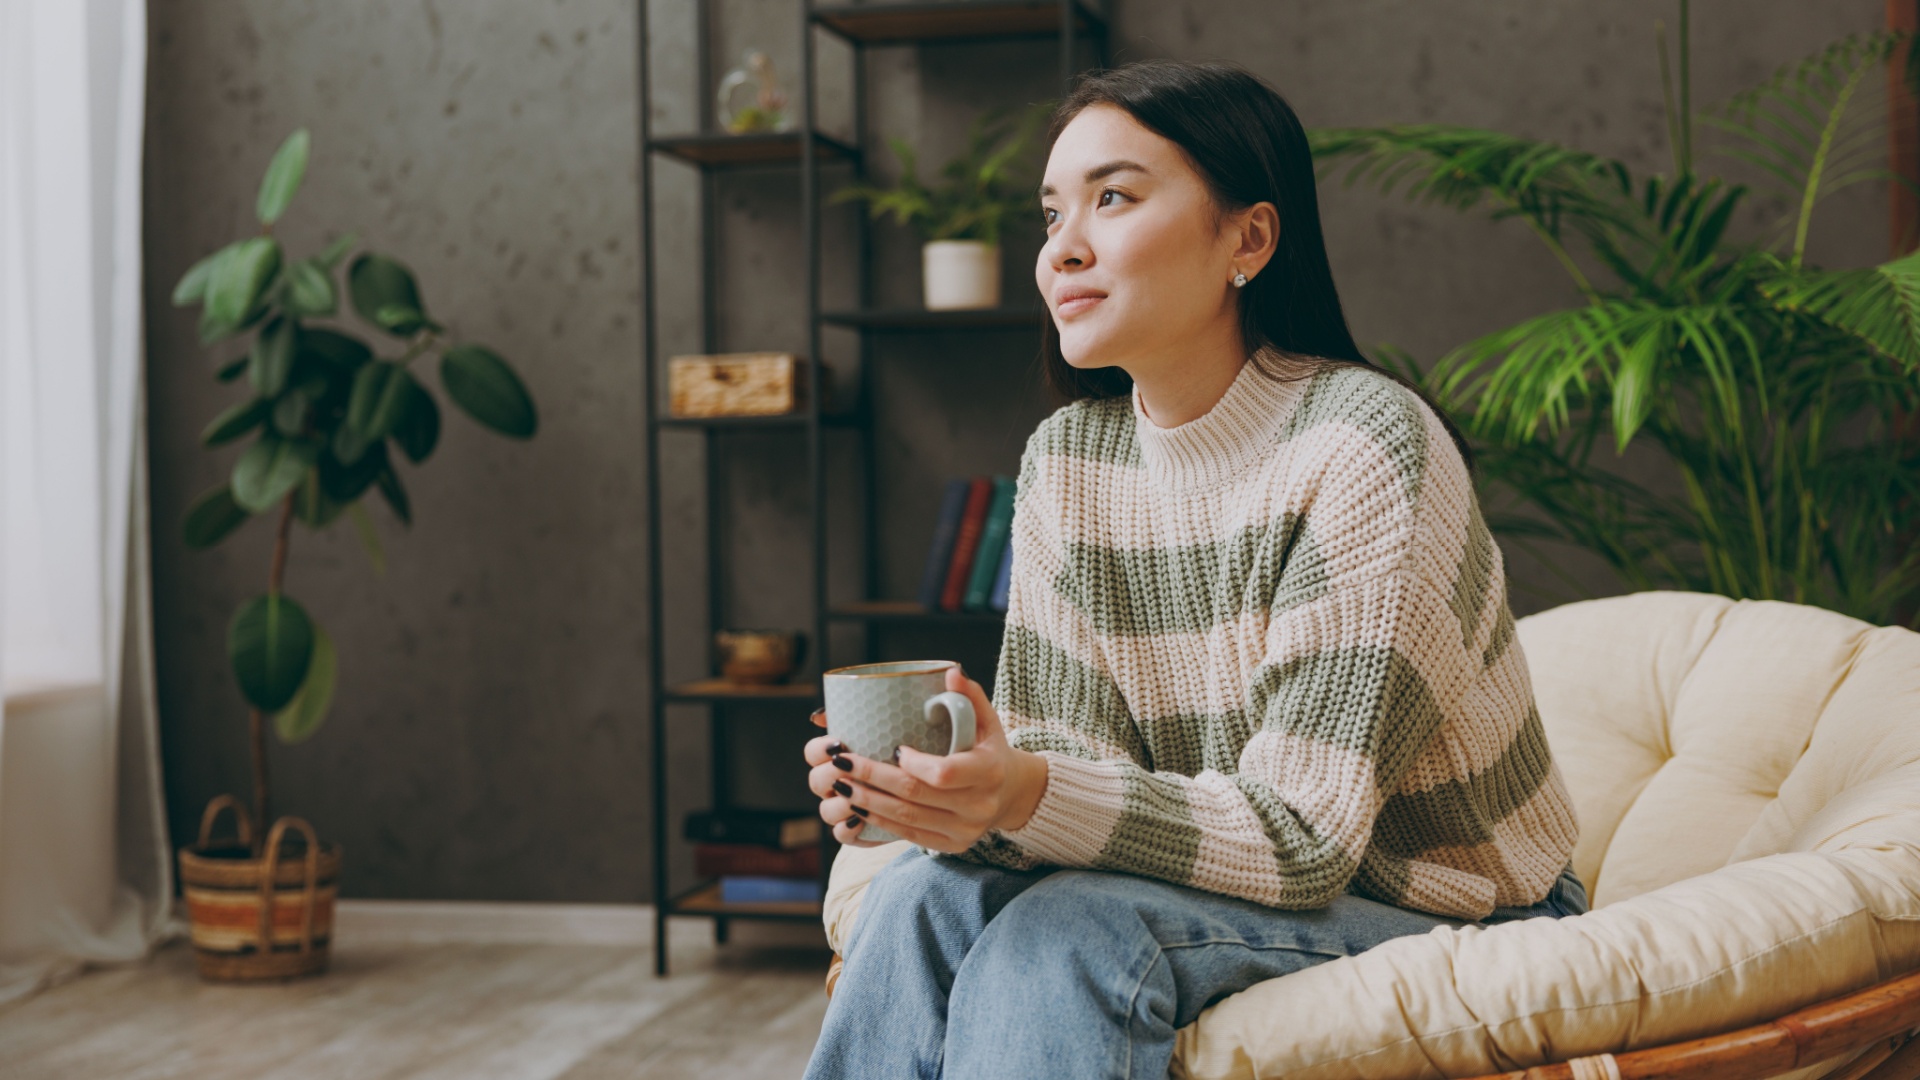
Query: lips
[[1073, 301]]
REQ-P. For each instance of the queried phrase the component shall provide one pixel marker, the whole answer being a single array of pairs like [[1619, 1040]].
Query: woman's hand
[[943, 802]]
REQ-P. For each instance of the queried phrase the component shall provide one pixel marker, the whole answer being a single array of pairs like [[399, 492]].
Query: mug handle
[[960, 710]]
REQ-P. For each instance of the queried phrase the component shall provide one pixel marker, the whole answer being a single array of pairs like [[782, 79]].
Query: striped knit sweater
[[1268, 653]]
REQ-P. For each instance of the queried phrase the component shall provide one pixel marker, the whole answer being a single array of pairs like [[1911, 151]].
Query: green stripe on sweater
[[1191, 589], [1362, 397]]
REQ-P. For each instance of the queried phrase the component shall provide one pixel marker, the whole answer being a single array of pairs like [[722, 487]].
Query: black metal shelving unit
[[1075, 23]]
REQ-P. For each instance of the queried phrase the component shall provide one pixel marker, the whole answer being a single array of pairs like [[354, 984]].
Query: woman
[[1259, 702]]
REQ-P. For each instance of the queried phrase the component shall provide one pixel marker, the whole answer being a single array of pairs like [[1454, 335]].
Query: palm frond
[[1812, 126], [1879, 305]]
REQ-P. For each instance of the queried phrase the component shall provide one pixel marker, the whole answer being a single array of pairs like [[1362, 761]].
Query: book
[[774, 828], [752, 889], [720, 860], [993, 539], [940, 555], [966, 543], [1002, 581]]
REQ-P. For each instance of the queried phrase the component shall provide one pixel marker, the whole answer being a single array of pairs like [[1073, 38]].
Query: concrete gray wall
[[488, 736]]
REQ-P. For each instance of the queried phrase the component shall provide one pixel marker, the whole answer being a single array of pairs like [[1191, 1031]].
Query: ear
[[1257, 229]]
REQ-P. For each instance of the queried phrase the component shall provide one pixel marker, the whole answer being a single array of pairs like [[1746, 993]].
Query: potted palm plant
[[1780, 397], [329, 420], [960, 219]]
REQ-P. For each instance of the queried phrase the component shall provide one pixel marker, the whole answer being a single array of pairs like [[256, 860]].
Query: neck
[[1178, 387]]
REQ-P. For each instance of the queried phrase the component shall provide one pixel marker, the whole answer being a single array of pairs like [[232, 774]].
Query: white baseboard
[[433, 922]]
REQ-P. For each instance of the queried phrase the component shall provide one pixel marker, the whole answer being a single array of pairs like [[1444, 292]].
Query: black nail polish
[[842, 787], [855, 821], [842, 763], [860, 810], [896, 755], [836, 747]]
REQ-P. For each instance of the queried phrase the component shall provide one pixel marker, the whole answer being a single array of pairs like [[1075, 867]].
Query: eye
[[1110, 192], [1049, 214]]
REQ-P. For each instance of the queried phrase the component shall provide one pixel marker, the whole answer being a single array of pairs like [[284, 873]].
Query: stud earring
[[1239, 280]]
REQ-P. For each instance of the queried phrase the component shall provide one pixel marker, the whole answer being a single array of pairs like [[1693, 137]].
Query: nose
[[1067, 248]]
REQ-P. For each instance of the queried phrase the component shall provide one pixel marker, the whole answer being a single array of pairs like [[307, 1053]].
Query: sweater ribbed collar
[[1223, 442]]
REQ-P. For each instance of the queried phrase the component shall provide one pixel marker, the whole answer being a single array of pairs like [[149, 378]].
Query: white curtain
[[85, 869]]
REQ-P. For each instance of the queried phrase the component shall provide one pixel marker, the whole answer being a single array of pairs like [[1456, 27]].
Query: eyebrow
[[1101, 172]]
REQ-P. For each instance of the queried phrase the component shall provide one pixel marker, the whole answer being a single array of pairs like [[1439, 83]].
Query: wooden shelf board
[[1000, 318], [949, 20], [721, 689], [765, 148], [793, 420], [909, 611], [705, 900]]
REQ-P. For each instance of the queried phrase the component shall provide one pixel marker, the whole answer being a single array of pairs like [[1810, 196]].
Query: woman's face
[[1137, 262]]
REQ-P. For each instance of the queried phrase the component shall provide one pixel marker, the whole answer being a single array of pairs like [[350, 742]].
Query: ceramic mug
[[873, 709]]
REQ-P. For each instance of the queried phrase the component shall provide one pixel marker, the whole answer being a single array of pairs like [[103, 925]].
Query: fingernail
[[818, 713], [862, 811], [836, 747], [896, 755], [854, 821], [842, 787], [842, 763]]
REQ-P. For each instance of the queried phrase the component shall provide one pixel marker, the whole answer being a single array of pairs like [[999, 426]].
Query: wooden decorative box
[[736, 384]]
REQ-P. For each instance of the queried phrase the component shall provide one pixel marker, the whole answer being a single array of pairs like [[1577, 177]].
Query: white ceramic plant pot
[[958, 274]]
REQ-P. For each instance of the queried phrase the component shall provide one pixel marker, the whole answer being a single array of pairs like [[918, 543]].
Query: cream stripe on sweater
[[1268, 653]]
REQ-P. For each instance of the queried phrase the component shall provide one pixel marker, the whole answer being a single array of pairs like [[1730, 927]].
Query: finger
[[889, 778], [867, 801], [849, 833], [987, 721], [949, 772], [926, 838], [820, 717], [821, 778], [821, 748]]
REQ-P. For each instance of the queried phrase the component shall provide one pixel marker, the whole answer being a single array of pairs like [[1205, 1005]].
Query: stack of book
[[760, 856], [972, 557]]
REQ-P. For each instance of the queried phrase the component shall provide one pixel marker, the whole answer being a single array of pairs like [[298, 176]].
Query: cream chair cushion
[[1747, 777]]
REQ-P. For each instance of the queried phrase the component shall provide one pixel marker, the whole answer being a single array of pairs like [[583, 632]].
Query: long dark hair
[[1248, 147]]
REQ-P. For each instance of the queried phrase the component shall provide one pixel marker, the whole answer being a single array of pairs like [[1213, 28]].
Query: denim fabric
[[973, 972]]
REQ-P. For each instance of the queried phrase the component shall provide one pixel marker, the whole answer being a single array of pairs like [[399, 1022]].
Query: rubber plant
[[1779, 397], [329, 419]]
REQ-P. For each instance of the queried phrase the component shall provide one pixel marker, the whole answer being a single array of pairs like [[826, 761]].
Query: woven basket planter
[[269, 917]]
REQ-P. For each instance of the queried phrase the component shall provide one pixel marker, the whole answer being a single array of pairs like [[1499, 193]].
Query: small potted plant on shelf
[[959, 220], [323, 411]]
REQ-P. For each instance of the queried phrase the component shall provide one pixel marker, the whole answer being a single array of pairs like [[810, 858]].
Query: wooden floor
[[748, 1009]]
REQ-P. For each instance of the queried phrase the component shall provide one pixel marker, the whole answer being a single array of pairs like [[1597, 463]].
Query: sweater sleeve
[[1338, 705]]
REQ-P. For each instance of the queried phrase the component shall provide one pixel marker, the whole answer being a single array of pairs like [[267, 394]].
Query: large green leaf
[[271, 359], [283, 177], [304, 714], [381, 392], [236, 421], [234, 286], [309, 289], [482, 384], [269, 469], [290, 413], [192, 287], [270, 645], [419, 427], [212, 517], [384, 293], [334, 349]]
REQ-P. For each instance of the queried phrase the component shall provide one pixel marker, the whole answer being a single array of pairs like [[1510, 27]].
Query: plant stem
[[256, 723]]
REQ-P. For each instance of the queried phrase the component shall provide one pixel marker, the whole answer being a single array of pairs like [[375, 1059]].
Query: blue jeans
[[972, 972]]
